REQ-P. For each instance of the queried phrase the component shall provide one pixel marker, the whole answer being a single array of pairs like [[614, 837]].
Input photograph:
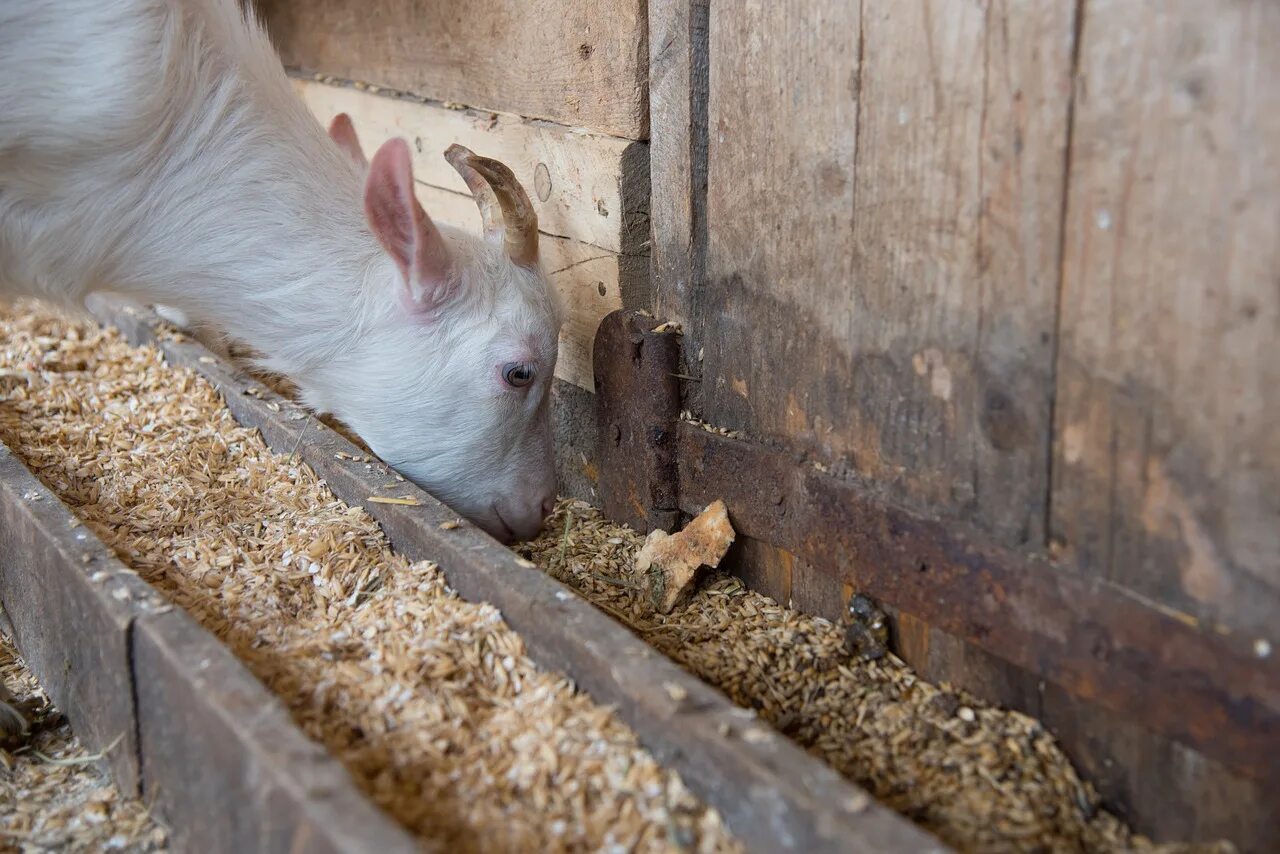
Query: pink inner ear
[[403, 227], [343, 132]]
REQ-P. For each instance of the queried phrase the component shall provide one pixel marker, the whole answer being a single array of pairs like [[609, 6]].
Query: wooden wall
[[1012, 264], [581, 63]]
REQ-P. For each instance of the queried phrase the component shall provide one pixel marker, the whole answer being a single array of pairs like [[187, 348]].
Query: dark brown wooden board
[[182, 723], [773, 796], [577, 62], [1216, 694]]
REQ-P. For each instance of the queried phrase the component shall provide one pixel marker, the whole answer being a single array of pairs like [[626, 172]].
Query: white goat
[[155, 148]]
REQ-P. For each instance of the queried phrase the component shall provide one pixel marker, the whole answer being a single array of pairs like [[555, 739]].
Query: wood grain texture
[[595, 263], [1167, 452], [884, 221], [576, 62], [884, 233], [595, 188]]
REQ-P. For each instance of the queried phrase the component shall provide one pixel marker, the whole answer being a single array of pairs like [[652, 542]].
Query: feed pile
[[430, 701], [980, 778]]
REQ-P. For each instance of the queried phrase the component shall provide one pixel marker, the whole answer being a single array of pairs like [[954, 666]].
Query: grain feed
[[980, 778], [430, 701]]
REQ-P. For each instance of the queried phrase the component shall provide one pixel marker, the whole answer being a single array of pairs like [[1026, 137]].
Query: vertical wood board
[[1167, 451]]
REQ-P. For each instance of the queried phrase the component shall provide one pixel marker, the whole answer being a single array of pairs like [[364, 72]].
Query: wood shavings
[[387, 499], [909, 743], [429, 701], [53, 795], [670, 562]]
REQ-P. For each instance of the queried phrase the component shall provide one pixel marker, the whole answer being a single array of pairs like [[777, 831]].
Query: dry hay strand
[[54, 795], [980, 778], [430, 701]]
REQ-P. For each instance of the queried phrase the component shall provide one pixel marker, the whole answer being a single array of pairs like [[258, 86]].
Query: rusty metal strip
[[637, 403], [181, 721], [1193, 684], [773, 796]]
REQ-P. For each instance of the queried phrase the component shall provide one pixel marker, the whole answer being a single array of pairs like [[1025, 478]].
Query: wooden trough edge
[[180, 721], [773, 796]]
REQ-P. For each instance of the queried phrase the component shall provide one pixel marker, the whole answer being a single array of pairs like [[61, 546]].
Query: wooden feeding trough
[[966, 313]]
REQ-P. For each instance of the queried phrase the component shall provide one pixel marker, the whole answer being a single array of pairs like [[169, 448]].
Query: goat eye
[[518, 374]]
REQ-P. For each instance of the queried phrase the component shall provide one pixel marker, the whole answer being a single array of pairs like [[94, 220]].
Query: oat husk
[[980, 778], [54, 795], [430, 701]]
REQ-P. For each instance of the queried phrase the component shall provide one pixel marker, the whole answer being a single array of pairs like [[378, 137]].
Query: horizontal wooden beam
[[181, 721], [584, 186], [1157, 668], [593, 183], [577, 62], [773, 795]]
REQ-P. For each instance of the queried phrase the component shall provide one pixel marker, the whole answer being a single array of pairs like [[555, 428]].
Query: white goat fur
[[155, 148]]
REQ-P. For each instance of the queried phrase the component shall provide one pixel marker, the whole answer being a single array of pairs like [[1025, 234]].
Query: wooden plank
[[577, 62], [588, 187], [1167, 455], [877, 227], [1097, 641], [225, 763], [593, 219], [884, 217], [73, 631], [773, 796], [183, 724], [1179, 795]]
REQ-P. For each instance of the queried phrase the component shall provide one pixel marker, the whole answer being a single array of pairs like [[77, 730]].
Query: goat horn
[[505, 209]]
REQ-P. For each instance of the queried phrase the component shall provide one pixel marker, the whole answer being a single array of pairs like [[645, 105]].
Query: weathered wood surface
[[884, 224], [73, 632], [1093, 639], [590, 192], [883, 257], [584, 186], [773, 796], [182, 723], [1167, 450], [576, 62]]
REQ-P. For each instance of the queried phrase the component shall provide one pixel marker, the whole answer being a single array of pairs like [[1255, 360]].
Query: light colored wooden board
[[577, 62], [584, 186], [1167, 451]]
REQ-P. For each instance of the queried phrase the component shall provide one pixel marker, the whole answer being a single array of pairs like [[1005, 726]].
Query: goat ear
[[343, 132], [404, 229]]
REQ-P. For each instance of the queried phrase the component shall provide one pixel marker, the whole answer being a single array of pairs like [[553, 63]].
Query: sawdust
[[54, 796], [980, 778], [430, 701]]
